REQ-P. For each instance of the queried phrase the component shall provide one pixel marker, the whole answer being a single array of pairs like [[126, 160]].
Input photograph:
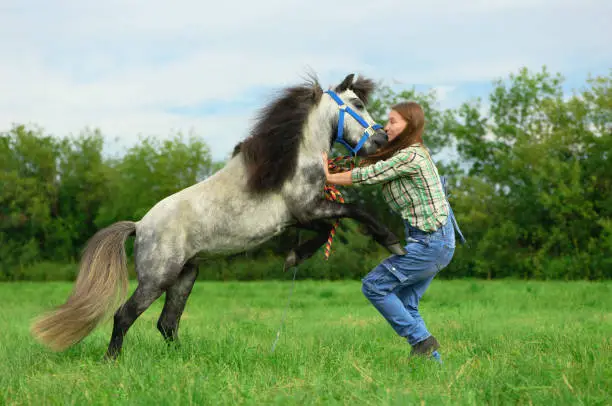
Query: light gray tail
[[101, 286]]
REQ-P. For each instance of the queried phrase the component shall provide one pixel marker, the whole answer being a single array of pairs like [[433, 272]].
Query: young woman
[[412, 187]]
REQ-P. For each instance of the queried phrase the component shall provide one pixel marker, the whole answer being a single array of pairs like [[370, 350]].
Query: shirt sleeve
[[401, 164]]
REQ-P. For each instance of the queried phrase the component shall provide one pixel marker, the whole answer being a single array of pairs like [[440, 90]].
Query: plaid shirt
[[411, 186]]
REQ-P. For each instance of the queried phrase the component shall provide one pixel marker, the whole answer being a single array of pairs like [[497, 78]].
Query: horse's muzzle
[[380, 138]]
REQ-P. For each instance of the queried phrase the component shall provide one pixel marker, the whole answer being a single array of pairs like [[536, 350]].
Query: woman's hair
[[413, 113]]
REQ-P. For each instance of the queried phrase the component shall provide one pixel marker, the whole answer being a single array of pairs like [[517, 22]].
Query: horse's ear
[[346, 83], [237, 149]]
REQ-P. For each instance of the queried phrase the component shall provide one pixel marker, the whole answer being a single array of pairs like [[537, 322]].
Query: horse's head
[[352, 125], [306, 115]]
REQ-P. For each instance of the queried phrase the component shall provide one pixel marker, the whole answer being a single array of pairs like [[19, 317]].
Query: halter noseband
[[369, 129]]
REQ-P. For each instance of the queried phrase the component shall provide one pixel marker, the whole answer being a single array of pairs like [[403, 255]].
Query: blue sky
[[139, 67]]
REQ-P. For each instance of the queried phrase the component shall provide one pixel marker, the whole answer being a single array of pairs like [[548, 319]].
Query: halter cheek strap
[[344, 108]]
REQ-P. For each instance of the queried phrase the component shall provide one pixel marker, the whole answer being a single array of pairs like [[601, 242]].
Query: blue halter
[[369, 129]]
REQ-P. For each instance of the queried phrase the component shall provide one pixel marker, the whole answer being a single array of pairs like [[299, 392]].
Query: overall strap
[[451, 213]]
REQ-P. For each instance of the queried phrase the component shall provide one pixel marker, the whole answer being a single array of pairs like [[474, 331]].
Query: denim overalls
[[397, 284]]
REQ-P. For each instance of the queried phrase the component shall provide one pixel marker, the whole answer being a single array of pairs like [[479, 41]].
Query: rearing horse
[[273, 181]]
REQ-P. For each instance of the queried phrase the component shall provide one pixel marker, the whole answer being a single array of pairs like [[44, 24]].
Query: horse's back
[[216, 215]]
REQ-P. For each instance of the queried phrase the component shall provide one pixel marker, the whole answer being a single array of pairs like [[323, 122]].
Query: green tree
[[28, 195], [534, 202], [84, 186], [537, 158]]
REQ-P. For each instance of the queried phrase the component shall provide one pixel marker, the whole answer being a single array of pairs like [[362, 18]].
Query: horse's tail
[[100, 287]]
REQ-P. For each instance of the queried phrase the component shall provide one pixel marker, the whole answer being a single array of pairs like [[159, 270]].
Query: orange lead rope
[[333, 194]]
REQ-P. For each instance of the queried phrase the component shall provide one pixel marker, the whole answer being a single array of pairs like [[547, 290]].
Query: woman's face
[[395, 125]]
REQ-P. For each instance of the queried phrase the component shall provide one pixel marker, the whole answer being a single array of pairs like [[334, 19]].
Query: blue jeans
[[397, 284]]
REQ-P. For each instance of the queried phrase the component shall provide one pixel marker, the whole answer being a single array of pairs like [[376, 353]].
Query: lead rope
[[333, 194], [285, 312], [335, 165]]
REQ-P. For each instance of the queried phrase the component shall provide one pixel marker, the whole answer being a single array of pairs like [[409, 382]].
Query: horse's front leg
[[326, 209], [305, 250]]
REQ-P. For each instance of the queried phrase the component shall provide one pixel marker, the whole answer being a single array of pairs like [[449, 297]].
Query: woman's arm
[[342, 178], [401, 164]]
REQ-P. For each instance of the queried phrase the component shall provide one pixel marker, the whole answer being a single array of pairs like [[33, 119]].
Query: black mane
[[271, 150]]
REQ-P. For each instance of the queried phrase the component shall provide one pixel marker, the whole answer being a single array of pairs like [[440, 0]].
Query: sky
[[135, 68]]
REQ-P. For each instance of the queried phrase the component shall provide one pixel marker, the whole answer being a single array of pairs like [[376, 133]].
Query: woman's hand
[[341, 178]]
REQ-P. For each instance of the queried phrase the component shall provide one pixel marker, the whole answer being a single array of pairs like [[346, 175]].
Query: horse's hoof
[[397, 249], [110, 357], [291, 260]]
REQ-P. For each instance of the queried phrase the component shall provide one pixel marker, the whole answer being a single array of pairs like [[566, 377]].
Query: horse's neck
[[307, 182], [317, 130]]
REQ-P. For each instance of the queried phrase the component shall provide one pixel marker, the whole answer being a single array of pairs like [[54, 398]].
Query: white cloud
[[121, 65]]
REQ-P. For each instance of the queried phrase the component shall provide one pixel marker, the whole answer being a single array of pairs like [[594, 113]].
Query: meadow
[[503, 342]]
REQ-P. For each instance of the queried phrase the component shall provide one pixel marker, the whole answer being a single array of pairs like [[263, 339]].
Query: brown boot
[[425, 347]]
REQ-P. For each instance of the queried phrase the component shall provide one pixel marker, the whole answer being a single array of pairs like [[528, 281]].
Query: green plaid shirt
[[411, 186]]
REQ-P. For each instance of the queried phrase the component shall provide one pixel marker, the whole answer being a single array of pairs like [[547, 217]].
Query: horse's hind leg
[[144, 295], [154, 276], [176, 299]]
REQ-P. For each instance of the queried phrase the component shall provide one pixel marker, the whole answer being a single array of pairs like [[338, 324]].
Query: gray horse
[[274, 180]]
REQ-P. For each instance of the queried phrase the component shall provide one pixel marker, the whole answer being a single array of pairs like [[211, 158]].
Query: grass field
[[504, 342]]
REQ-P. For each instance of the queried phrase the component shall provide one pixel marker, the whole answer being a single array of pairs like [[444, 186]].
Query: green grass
[[504, 342]]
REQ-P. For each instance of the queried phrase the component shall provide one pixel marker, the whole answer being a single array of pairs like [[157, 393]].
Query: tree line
[[530, 189]]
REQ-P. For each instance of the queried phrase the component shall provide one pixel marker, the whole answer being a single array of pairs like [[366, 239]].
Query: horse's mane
[[270, 152]]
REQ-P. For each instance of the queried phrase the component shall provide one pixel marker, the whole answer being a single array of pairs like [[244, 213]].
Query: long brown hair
[[413, 113]]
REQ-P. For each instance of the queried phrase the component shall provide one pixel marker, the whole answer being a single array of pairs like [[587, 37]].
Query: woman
[[412, 187]]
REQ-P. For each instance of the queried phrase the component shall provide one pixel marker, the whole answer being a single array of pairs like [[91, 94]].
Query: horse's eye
[[358, 104]]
